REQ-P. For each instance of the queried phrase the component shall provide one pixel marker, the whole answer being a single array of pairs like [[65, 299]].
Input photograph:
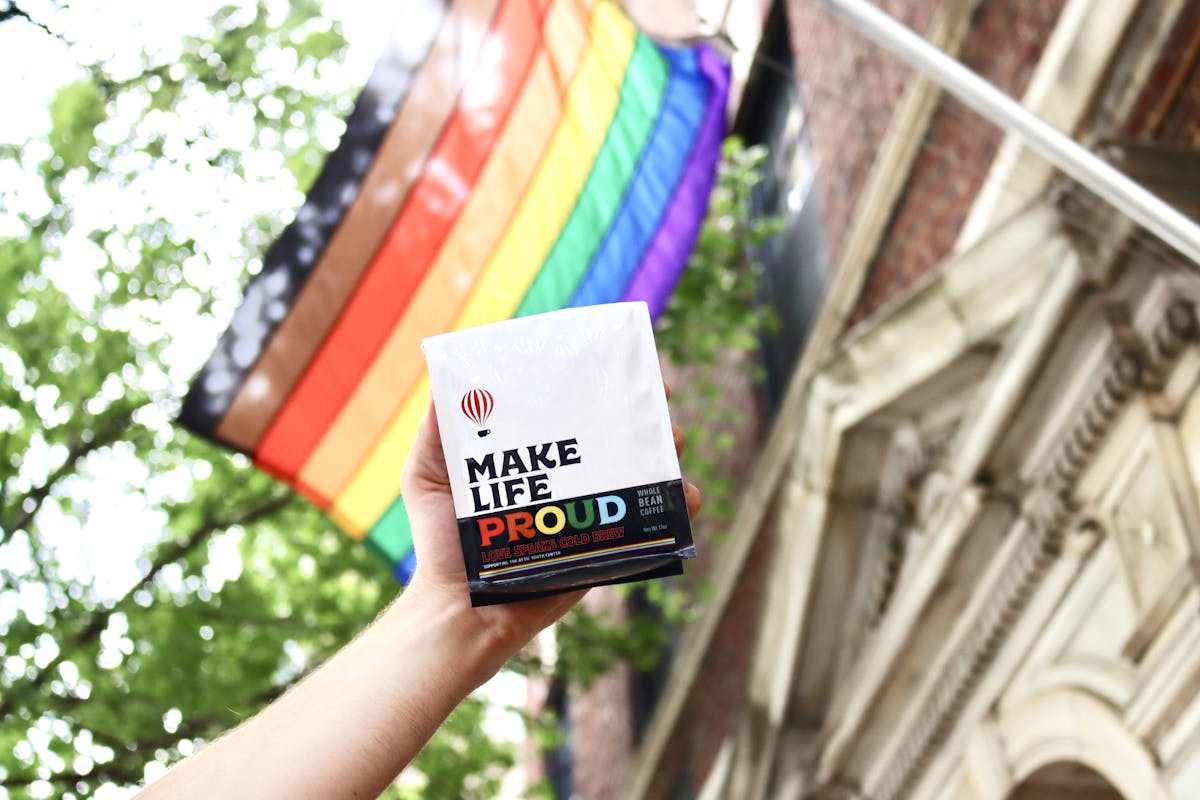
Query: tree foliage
[[155, 183], [715, 319], [107, 275]]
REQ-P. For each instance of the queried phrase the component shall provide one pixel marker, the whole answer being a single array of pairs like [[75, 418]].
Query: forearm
[[351, 726]]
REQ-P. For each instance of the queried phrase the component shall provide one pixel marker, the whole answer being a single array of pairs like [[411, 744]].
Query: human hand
[[355, 722], [441, 577]]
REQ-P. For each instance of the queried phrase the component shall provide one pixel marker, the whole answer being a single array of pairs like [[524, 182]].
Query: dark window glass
[[647, 686], [558, 760], [794, 262]]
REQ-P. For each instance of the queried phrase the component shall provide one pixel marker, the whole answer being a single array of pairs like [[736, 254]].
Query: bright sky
[[34, 65], [203, 201]]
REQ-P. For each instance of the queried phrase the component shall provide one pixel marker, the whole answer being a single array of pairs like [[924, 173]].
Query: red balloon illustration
[[477, 405]]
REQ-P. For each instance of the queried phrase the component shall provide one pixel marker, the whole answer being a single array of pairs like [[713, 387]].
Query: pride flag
[[506, 157]]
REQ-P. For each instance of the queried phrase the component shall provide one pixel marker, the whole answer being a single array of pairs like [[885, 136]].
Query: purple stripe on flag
[[664, 260]]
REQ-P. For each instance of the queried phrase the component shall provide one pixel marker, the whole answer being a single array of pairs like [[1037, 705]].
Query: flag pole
[[1125, 194]]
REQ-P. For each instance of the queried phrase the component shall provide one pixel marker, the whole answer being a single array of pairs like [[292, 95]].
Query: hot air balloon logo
[[477, 405]]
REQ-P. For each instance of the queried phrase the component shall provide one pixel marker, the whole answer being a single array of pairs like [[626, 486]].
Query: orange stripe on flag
[[384, 293]]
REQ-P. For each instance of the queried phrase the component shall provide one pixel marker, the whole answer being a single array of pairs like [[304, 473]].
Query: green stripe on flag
[[391, 536], [637, 109]]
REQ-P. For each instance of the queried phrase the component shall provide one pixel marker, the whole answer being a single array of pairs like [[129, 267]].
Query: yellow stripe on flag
[[463, 256], [589, 109], [374, 487]]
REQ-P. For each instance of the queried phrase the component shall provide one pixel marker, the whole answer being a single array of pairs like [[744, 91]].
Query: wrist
[[475, 643]]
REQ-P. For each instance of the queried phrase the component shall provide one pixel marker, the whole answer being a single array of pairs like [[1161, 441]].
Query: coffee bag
[[559, 448]]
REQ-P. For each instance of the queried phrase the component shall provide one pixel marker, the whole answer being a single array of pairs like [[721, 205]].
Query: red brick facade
[[602, 722], [849, 88], [1168, 110], [711, 711], [1003, 45]]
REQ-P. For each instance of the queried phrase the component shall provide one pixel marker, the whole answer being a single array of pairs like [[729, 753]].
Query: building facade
[[966, 563]]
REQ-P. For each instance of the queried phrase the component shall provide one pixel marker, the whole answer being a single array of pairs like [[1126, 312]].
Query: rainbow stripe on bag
[[507, 157], [627, 548]]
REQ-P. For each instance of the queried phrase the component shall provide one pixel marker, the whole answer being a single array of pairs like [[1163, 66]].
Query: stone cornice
[[1046, 514]]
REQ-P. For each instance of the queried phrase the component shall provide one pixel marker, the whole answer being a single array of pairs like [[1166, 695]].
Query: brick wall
[[849, 89], [602, 721], [1004, 44], [1168, 110], [711, 711]]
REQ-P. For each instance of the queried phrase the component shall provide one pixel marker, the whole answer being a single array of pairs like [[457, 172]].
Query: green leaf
[[77, 110]]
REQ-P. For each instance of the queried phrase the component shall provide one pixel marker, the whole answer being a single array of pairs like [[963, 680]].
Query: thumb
[[426, 465]]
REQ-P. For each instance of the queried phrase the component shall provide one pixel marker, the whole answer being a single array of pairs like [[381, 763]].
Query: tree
[[154, 589], [108, 277]]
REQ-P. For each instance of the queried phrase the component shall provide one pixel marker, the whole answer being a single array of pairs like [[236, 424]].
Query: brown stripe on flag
[[398, 164], [291, 258]]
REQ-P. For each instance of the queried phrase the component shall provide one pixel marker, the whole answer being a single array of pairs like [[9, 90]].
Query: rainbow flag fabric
[[506, 157]]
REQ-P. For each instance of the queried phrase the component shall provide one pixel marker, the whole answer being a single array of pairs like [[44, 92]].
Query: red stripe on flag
[[398, 268]]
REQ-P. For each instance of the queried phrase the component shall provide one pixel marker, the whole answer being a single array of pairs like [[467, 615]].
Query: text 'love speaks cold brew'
[[560, 453]]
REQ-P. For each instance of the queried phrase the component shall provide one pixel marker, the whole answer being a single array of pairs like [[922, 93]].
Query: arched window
[[1065, 780]]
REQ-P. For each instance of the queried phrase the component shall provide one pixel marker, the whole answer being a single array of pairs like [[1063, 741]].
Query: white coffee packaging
[[559, 448]]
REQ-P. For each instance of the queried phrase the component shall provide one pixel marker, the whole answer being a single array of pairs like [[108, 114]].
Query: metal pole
[[1062, 151]]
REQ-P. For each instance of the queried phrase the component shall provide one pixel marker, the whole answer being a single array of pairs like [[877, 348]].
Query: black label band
[[520, 547]]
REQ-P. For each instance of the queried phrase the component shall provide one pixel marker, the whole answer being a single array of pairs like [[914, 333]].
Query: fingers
[[560, 605], [693, 498], [667, 388], [691, 494]]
